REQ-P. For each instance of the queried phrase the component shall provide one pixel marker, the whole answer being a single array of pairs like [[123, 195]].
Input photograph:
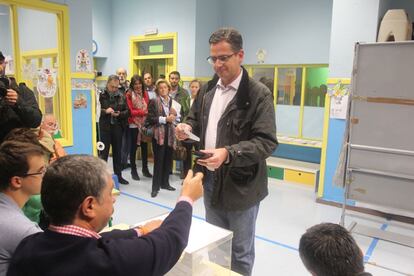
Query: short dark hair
[[328, 249], [136, 78], [111, 78], [14, 156], [67, 182], [175, 73], [229, 35], [2, 58]]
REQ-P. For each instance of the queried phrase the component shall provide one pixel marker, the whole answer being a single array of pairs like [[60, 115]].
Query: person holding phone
[[113, 119], [234, 117]]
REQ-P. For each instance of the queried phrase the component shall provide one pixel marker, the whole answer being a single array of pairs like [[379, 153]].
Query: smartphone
[[202, 155]]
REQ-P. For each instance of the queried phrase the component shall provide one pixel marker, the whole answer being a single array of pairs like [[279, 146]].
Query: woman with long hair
[[137, 100]]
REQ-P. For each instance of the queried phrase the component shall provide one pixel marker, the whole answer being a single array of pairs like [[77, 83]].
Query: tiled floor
[[283, 217]]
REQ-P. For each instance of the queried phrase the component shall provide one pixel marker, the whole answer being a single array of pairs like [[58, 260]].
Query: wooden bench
[[293, 171]]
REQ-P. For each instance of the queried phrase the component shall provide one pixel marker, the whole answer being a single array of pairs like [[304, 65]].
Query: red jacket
[[134, 112]]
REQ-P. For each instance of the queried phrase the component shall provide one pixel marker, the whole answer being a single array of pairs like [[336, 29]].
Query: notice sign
[[339, 93]]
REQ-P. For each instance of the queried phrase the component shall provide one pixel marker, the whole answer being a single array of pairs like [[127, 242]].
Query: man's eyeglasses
[[221, 59], [41, 172]]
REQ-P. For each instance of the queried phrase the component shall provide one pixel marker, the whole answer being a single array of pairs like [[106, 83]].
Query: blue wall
[[131, 18], [82, 128], [306, 154], [208, 19], [291, 32]]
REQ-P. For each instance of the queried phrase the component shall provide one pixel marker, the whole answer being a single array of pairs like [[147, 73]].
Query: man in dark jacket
[[112, 122], [18, 106], [234, 117], [77, 196]]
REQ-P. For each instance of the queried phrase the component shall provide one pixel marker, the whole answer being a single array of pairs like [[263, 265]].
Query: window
[[39, 49], [299, 97]]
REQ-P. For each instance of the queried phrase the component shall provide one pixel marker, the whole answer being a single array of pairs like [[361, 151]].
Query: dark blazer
[[116, 253], [118, 103], [25, 113], [247, 129]]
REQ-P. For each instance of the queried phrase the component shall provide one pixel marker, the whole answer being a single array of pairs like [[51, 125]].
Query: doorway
[[155, 54], [157, 67]]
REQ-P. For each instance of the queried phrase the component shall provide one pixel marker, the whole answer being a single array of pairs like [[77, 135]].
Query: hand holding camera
[[9, 95]]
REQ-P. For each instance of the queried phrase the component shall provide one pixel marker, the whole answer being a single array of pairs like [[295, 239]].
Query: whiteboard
[[380, 164]]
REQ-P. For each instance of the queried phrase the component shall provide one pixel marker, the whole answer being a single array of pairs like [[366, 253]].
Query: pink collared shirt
[[75, 231]]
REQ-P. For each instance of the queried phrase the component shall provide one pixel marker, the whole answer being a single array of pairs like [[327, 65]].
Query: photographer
[[18, 106]]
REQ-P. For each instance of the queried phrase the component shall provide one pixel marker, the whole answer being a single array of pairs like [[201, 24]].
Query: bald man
[[123, 81]]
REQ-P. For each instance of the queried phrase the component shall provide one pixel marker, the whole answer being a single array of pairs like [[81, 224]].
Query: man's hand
[[219, 157], [109, 110], [193, 186], [115, 114], [11, 97], [179, 131], [170, 118], [150, 226]]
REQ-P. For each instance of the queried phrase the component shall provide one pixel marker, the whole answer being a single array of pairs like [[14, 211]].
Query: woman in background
[[162, 118], [195, 86], [137, 100]]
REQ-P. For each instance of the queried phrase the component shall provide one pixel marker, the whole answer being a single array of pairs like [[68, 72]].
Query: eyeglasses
[[41, 172], [222, 59]]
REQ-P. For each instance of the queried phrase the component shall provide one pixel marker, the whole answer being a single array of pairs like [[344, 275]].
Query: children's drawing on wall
[[29, 71], [46, 82], [9, 65], [339, 93], [83, 62], [82, 84], [80, 101]]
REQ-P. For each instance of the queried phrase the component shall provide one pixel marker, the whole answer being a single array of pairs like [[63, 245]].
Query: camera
[[4, 85]]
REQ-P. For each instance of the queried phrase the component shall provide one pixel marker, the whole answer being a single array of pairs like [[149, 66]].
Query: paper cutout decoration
[[46, 82], [9, 65], [339, 100], [80, 101], [83, 62]]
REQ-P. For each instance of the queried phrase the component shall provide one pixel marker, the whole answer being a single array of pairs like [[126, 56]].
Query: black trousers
[[144, 150], [162, 161], [112, 137], [126, 145], [187, 163]]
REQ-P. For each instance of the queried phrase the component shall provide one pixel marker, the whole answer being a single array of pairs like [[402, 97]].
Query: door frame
[[134, 55]]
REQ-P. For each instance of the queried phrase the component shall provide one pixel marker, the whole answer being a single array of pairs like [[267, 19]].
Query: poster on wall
[[80, 101], [9, 65], [83, 62], [46, 82], [339, 93]]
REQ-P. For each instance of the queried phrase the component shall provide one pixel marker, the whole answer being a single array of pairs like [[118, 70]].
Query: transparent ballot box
[[208, 252]]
